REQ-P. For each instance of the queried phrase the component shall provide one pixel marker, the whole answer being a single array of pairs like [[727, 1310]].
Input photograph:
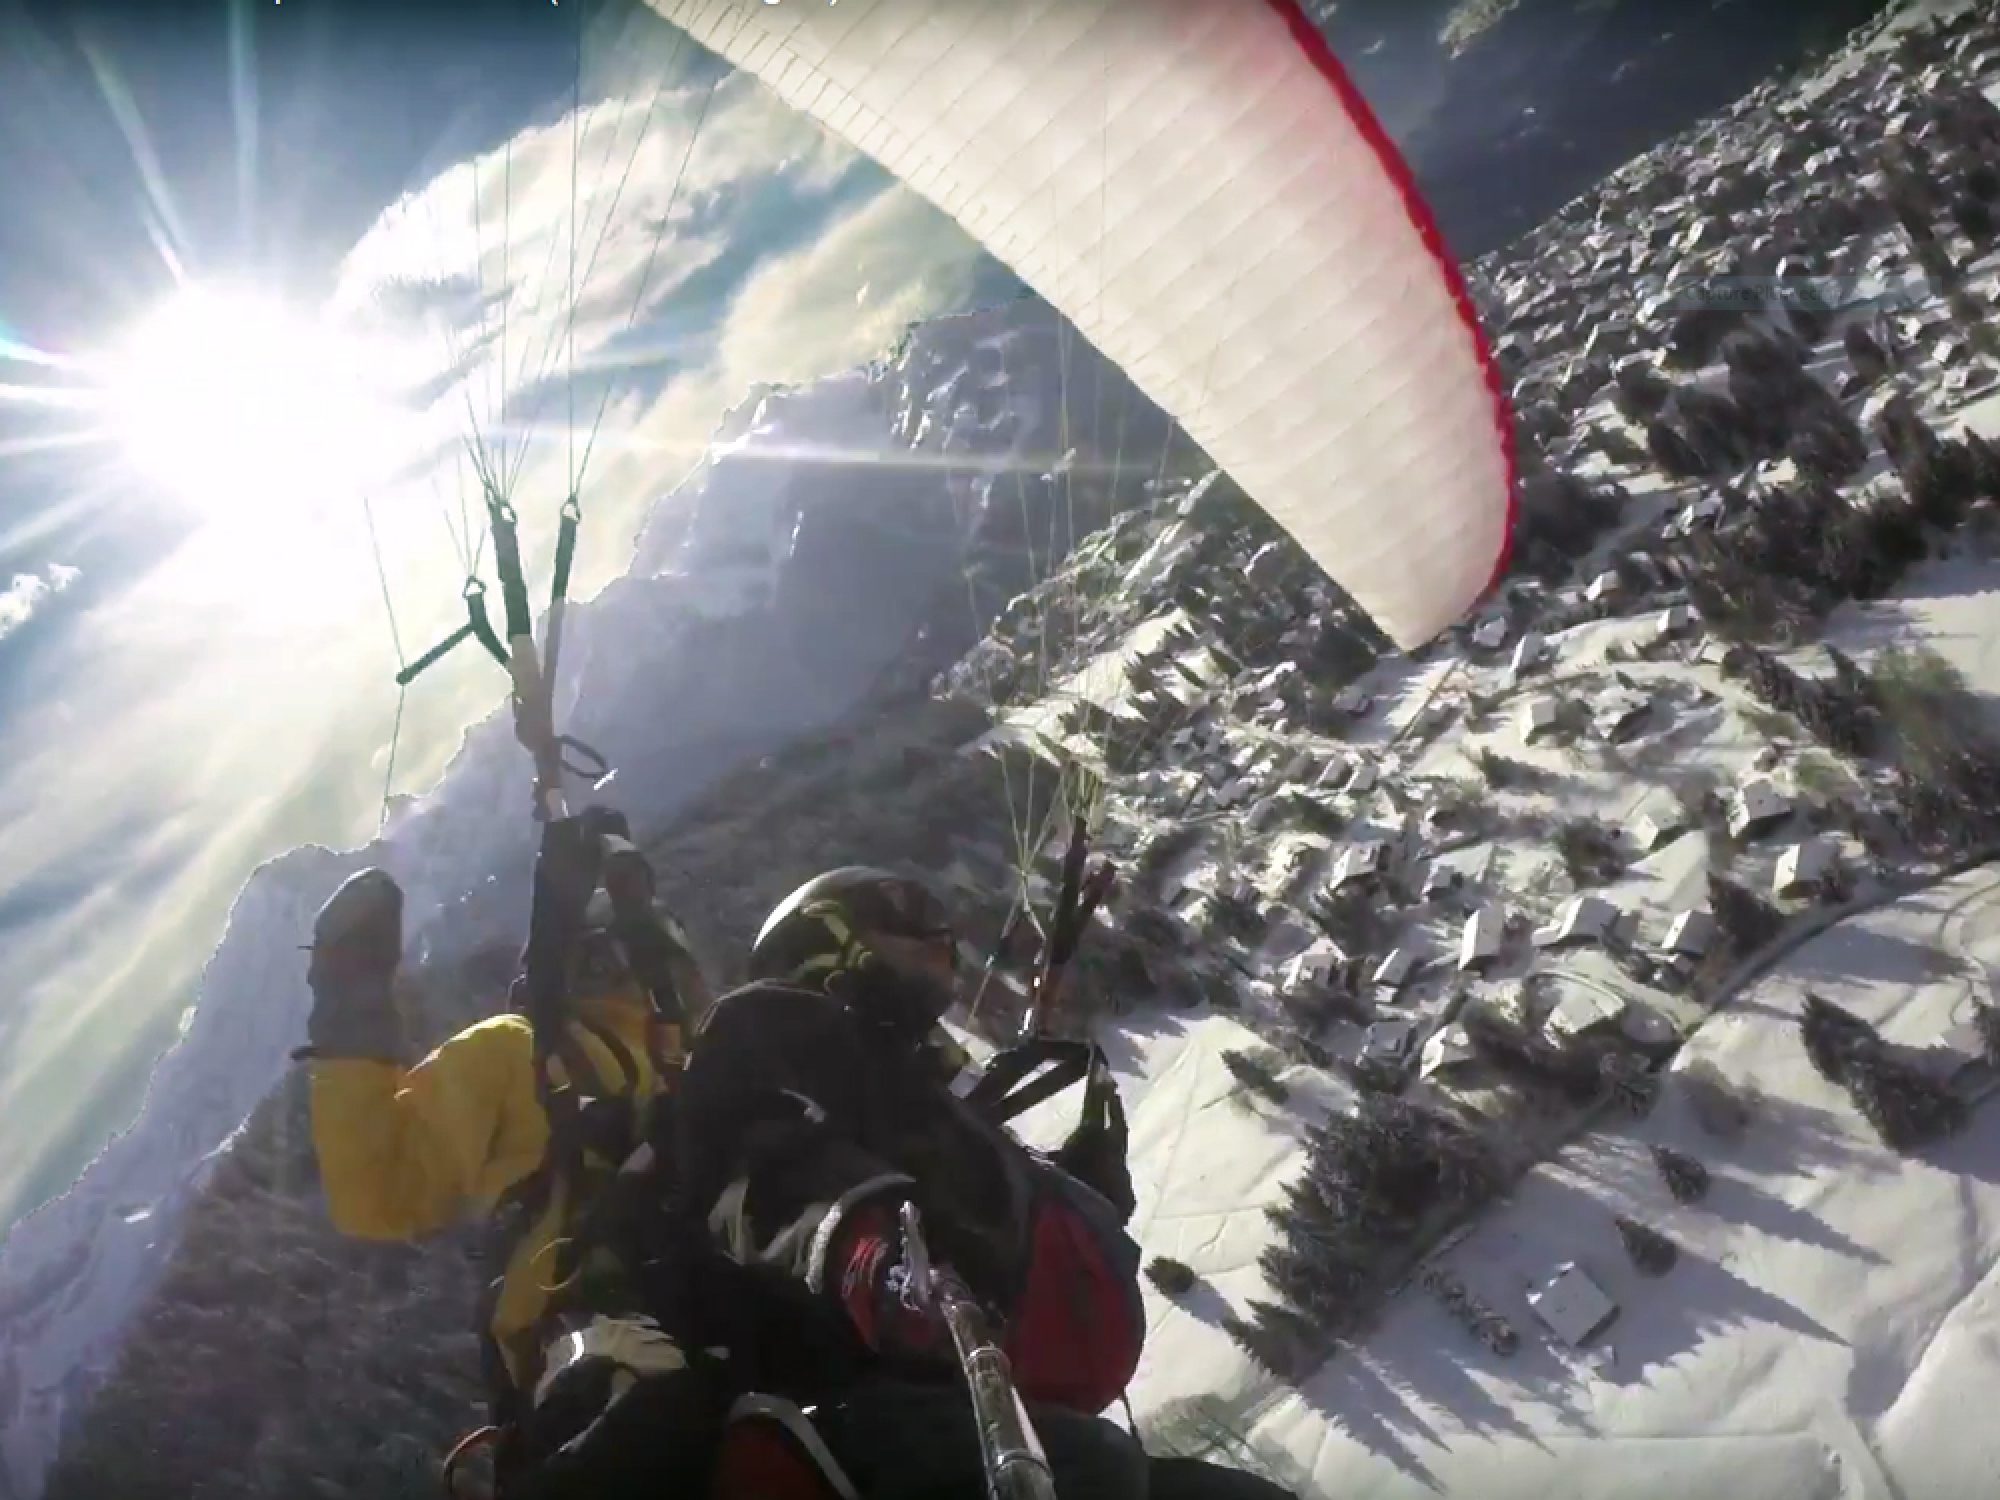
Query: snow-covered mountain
[[827, 537]]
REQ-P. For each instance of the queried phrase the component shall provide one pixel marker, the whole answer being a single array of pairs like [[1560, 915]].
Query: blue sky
[[195, 662]]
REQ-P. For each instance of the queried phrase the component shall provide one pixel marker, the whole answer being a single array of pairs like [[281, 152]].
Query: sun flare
[[247, 410]]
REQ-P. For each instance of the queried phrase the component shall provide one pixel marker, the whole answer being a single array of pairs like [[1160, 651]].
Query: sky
[[263, 268]]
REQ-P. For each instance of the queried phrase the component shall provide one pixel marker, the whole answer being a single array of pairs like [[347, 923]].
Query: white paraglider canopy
[[1201, 191]]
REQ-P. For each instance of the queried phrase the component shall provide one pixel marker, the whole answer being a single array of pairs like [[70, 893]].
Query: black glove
[[620, 1415], [357, 944], [1095, 1152]]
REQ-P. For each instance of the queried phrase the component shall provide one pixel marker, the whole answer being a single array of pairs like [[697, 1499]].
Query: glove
[[357, 944], [875, 1288], [1095, 1153]]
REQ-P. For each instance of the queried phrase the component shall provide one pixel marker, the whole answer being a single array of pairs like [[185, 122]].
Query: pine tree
[[1255, 1074], [1652, 1252], [1170, 1276], [1631, 1085], [1318, 1278], [1479, 1320], [1746, 919], [1686, 1178], [1987, 1019], [1279, 1339], [1834, 1037], [1907, 1107]]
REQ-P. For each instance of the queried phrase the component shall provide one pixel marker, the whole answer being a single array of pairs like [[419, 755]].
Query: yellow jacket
[[406, 1152]]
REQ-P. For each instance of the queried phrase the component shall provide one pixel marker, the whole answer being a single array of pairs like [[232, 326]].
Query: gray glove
[[357, 944]]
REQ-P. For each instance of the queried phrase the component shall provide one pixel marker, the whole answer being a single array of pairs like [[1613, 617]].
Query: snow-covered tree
[[1685, 1177], [1653, 1254], [1833, 1037], [1907, 1107]]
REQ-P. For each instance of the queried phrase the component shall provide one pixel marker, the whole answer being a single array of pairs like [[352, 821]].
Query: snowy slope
[[1829, 1330], [750, 616]]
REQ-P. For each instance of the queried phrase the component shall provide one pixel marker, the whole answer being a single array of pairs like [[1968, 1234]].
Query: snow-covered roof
[[1582, 919], [1573, 1306], [1440, 878], [1388, 1041], [1527, 651], [1485, 930], [1801, 865], [1578, 1010], [1690, 933], [1757, 804], [1654, 827], [1396, 969], [1448, 1047], [1618, 714], [1358, 860], [1316, 965], [1604, 586]]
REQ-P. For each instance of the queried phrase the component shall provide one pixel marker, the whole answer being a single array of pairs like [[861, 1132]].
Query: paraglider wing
[[1200, 190]]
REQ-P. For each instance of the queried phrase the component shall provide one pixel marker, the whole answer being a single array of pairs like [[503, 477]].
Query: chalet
[[1361, 862], [1579, 1012], [1527, 653], [1802, 866], [1395, 970], [1657, 827], [1448, 1048], [1689, 934], [1574, 1308], [1318, 965], [1584, 919], [1484, 934], [1620, 716], [1387, 1043], [1757, 807]]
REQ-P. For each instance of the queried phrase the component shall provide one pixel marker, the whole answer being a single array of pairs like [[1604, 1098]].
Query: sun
[[246, 410]]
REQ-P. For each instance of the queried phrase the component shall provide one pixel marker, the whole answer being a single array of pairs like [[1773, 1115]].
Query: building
[[1676, 619], [1538, 716], [1352, 700], [1689, 934], [1651, 830], [1316, 966], [1757, 807], [1572, 1306], [1620, 716], [1579, 1011], [1449, 1047], [1802, 866], [1484, 934], [1387, 1043], [1527, 652], [1583, 919], [1604, 586], [1363, 778], [1490, 634], [1395, 970], [1361, 862]]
